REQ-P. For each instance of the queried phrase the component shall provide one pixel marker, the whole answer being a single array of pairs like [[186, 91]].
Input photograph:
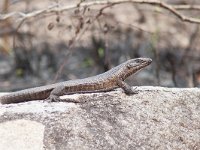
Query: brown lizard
[[103, 82]]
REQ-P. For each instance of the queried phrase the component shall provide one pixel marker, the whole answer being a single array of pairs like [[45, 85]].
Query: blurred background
[[43, 42]]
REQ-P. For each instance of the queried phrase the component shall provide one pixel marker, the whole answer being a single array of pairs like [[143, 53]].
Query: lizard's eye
[[138, 61]]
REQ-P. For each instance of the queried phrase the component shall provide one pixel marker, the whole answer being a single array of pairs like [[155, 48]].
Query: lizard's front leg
[[127, 88]]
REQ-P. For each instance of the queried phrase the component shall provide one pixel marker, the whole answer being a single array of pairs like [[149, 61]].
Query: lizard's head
[[131, 66]]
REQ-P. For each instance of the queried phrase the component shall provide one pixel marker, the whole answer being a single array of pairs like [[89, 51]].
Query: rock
[[156, 118]]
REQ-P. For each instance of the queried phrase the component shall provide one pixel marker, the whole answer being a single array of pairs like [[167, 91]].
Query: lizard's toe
[[131, 91]]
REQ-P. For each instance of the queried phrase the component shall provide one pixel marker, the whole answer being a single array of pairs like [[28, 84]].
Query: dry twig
[[187, 7], [54, 9]]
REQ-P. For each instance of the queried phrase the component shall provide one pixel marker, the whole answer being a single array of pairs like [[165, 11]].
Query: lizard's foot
[[131, 91], [127, 89], [55, 93], [53, 98]]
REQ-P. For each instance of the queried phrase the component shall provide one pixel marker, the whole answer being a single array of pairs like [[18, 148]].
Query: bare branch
[[187, 7], [54, 9]]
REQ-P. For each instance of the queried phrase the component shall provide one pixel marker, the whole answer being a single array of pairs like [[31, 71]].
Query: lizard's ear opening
[[129, 66]]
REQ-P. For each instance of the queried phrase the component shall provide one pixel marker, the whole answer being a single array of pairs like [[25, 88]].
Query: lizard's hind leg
[[56, 93]]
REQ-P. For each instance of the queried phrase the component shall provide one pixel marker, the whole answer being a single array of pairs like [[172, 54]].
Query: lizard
[[106, 81]]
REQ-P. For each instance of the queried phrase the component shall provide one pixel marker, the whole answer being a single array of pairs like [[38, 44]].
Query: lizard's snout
[[144, 60], [149, 60]]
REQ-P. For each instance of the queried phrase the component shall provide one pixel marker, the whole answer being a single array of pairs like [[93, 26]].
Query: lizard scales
[[103, 82]]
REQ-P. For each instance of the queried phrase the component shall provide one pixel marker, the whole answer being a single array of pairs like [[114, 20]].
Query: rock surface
[[156, 118]]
